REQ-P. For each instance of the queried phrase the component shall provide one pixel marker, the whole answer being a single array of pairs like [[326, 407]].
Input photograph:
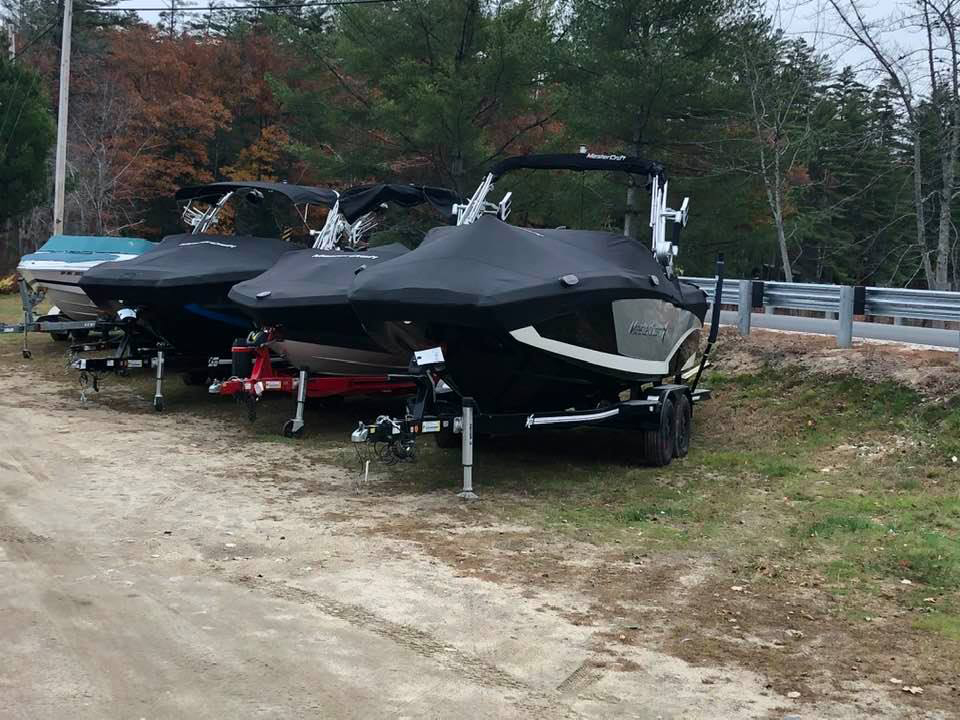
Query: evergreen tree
[[26, 136]]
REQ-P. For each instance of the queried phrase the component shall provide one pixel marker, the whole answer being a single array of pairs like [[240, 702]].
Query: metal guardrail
[[731, 289], [917, 304], [842, 300]]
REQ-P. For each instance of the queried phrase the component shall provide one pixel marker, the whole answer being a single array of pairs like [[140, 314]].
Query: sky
[[817, 22]]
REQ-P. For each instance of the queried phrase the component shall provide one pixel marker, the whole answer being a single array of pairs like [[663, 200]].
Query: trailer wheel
[[60, 336], [158, 404], [448, 439], [684, 424], [26, 354], [289, 432], [658, 444]]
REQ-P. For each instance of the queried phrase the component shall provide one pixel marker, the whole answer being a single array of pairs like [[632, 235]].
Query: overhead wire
[[280, 6]]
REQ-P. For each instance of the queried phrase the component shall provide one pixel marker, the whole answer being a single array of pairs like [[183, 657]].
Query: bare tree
[[781, 83], [927, 90], [104, 155]]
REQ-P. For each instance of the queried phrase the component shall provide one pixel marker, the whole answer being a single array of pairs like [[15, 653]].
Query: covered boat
[[302, 299], [177, 292], [532, 319], [57, 267]]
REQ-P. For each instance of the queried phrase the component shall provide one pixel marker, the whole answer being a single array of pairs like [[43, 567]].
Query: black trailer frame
[[129, 355]]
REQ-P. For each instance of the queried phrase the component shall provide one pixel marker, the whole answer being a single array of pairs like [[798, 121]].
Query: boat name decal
[[207, 242], [600, 156], [647, 329], [352, 255]]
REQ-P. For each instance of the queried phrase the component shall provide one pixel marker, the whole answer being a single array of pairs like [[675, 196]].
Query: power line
[[283, 6], [37, 38]]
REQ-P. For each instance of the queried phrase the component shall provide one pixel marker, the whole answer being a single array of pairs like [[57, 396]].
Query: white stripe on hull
[[602, 360]]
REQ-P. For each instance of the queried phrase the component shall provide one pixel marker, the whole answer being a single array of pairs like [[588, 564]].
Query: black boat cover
[[579, 162], [298, 194], [310, 278], [363, 198], [184, 260], [493, 275]]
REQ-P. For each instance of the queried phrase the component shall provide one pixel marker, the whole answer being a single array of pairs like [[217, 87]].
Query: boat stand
[[265, 376], [129, 354], [294, 426], [466, 432]]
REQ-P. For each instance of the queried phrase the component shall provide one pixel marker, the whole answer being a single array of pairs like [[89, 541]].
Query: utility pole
[[61, 165]]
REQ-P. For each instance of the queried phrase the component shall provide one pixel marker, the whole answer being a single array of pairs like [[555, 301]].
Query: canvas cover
[[297, 194], [189, 260], [364, 198], [490, 274], [314, 278]]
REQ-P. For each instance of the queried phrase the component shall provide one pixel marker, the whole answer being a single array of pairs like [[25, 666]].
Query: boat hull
[[60, 284], [579, 360], [335, 360]]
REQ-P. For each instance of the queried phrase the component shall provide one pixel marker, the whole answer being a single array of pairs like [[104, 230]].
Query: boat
[[302, 299], [56, 268], [176, 293], [525, 320]]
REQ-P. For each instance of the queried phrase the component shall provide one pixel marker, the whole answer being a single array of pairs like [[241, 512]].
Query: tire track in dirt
[[465, 665]]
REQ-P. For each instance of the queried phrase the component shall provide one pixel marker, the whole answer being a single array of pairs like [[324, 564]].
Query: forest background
[[796, 167]]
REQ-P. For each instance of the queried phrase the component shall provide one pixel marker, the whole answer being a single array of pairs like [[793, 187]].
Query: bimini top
[[491, 274], [579, 162], [362, 199], [298, 194]]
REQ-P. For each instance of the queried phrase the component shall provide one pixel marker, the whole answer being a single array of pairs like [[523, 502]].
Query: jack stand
[[466, 433], [29, 300], [158, 396], [293, 428]]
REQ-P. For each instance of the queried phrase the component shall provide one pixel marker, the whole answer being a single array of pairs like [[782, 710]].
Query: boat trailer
[[435, 410], [57, 326], [663, 412], [266, 374]]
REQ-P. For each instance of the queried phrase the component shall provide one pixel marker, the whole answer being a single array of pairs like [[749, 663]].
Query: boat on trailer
[[302, 300], [311, 342], [177, 292], [56, 268], [546, 327]]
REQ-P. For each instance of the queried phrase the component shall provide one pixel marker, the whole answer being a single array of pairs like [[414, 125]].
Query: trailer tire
[[684, 427], [658, 443]]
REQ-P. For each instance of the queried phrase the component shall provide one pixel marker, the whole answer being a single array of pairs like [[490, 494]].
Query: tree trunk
[[918, 206]]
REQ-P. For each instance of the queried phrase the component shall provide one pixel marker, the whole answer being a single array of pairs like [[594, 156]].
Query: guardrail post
[[745, 307], [845, 318]]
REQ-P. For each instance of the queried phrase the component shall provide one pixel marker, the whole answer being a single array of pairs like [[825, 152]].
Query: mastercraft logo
[[647, 329]]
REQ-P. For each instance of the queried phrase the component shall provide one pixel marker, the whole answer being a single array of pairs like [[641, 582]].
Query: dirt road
[[151, 567]]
